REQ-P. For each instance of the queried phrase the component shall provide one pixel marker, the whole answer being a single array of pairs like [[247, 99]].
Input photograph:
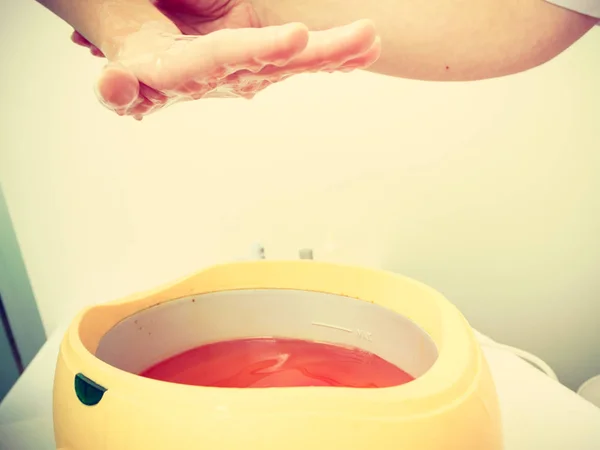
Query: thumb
[[117, 88]]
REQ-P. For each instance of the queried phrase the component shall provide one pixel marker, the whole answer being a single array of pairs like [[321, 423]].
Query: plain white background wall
[[486, 191]]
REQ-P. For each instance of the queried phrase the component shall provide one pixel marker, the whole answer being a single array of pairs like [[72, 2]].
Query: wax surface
[[269, 362]]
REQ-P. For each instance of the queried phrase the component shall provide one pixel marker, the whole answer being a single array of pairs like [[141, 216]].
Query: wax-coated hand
[[221, 50]]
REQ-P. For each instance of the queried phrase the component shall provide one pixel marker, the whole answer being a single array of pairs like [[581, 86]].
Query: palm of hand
[[221, 52]]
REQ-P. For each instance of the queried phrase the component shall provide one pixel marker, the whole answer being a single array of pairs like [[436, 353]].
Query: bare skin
[[172, 50], [177, 50], [446, 40]]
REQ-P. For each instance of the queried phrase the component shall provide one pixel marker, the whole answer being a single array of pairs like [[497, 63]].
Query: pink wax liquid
[[274, 362]]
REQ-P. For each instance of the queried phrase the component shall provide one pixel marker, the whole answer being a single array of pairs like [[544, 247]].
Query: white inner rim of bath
[[158, 333]]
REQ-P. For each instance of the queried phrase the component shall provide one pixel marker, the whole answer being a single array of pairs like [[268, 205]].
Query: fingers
[[258, 47], [365, 60], [118, 88], [235, 62], [209, 58], [96, 52], [80, 40], [218, 54], [247, 84], [152, 94], [331, 49], [344, 49]]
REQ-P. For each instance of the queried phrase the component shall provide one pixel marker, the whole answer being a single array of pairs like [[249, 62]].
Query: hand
[[221, 50]]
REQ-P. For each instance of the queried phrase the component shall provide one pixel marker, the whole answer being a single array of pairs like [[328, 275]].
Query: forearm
[[106, 22], [446, 39]]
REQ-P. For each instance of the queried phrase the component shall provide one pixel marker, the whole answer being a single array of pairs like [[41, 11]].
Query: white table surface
[[538, 413]]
